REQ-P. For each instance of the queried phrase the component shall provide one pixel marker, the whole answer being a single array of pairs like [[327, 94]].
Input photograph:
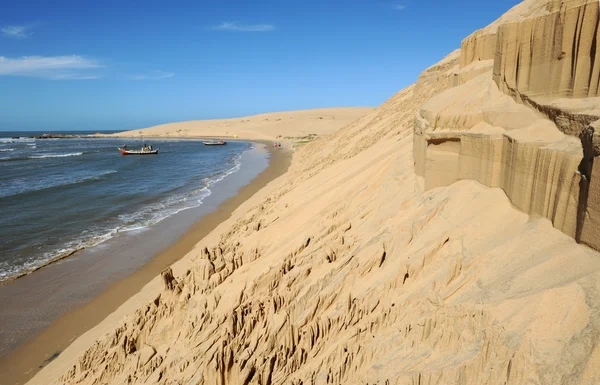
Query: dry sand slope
[[369, 264]]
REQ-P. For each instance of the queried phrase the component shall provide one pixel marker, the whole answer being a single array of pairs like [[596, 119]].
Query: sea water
[[61, 195]]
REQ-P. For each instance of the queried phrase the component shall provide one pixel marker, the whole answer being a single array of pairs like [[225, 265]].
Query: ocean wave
[[28, 186], [237, 164], [55, 155], [41, 156], [8, 271], [157, 212], [17, 140], [6, 149], [9, 159]]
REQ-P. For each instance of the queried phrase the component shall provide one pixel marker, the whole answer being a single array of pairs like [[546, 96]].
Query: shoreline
[[28, 358], [90, 244]]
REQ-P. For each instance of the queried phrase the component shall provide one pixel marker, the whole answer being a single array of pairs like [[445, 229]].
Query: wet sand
[[128, 276]]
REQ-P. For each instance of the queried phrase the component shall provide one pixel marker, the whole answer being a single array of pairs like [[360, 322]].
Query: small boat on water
[[125, 151], [215, 143]]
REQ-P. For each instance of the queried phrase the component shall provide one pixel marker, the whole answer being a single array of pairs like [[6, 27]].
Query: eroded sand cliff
[[522, 115], [384, 257]]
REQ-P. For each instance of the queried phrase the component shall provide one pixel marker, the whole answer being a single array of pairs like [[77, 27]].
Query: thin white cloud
[[75, 76], [154, 75], [17, 31], [237, 27], [400, 7], [72, 67]]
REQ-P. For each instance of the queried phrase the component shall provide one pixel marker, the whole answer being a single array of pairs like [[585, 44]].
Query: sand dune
[[430, 241], [294, 126]]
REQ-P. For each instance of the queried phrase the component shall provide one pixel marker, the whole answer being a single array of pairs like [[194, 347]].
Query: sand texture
[[430, 241]]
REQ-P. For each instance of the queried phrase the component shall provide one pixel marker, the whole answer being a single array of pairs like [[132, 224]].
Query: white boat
[[124, 151], [215, 143]]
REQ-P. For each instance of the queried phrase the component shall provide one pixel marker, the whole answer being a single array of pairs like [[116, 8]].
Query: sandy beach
[[448, 236], [19, 365], [30, 356]]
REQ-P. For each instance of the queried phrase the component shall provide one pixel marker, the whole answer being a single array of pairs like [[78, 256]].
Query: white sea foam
[[17, 140], [6, 149], [237, 161], [55, 155]]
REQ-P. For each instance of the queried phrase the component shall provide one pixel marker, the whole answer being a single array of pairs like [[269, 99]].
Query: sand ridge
[[366, 264], [290, 126]]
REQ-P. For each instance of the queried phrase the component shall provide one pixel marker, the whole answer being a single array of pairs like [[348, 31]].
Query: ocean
[[58, 196]]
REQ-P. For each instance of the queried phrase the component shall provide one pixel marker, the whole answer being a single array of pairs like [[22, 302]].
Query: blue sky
[[83, 65]]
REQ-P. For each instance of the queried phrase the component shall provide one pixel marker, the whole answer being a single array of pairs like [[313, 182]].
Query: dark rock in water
[[57, 136]]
